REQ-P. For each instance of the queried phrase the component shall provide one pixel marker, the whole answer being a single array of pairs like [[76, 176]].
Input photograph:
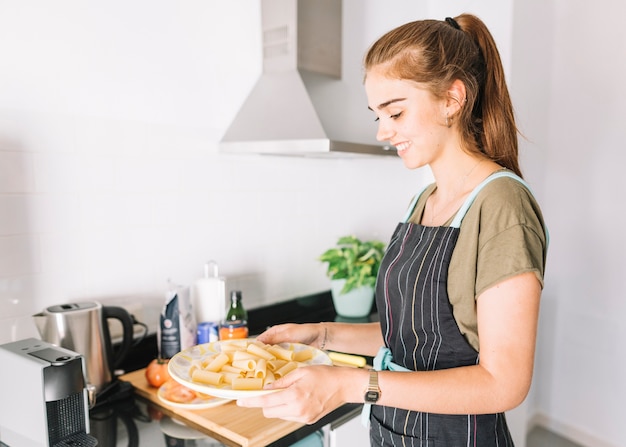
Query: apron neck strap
[[458, 218]]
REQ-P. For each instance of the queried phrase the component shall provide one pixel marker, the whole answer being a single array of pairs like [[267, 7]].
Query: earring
[[447, 120]]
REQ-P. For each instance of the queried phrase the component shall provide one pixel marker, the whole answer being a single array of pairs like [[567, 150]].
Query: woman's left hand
[[306, 394]]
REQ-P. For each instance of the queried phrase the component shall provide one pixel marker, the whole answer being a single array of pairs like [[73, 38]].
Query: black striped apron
[[421, 334]]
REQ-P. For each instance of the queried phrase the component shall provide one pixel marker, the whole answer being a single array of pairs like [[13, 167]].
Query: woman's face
[[409, 118]]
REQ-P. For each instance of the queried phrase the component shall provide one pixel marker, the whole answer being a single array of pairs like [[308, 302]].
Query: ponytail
[[498, 138], [438, 52]]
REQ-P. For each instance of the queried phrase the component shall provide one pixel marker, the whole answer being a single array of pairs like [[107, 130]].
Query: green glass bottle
[[236, 323]]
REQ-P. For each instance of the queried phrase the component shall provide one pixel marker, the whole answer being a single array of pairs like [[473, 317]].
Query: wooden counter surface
[[228, 423]]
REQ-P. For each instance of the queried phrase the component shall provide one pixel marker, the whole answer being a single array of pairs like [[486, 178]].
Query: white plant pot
[[357, 303]]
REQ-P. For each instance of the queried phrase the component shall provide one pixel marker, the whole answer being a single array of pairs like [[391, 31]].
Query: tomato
[[157, 373], [176, 392]]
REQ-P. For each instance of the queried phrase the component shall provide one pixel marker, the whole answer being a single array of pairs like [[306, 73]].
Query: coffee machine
[[45, 400]]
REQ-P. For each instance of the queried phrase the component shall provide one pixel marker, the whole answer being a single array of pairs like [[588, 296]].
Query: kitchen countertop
[[140, 419], [137, 421]]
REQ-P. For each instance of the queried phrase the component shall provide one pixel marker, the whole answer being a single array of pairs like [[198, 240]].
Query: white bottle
[[209, 295]]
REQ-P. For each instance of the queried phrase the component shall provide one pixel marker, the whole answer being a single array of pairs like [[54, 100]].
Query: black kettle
[[83, 328]]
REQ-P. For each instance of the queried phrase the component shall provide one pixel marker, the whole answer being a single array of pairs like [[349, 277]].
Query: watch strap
[[372, 393], [373, 382]]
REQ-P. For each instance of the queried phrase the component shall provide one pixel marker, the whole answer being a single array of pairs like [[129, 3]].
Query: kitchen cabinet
[[348, 430]]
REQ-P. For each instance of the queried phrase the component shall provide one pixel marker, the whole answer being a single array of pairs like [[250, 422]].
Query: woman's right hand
[[309, 334]]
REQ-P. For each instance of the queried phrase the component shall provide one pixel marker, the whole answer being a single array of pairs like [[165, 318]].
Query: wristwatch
[[372, 394]]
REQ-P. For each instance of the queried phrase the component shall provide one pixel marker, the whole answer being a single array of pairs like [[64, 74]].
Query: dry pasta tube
[[244, 355], [231, 369], [282, 372], [229, 377], [281, 353], [205, 361], [275, 365], [247, 384], [246, 365], [234, 345], [269, 377], [217, 363], [208, 377], [195, 364], [260, 352], [260, 370]]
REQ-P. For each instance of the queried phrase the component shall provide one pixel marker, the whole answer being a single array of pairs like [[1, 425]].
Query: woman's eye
[[393, 117]]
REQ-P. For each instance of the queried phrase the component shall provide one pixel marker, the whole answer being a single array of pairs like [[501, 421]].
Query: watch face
[[371, 396]]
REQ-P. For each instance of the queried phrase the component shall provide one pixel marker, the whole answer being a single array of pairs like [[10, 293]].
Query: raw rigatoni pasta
[[285, 369], [247, 383], [258, 351], [260, 370], [217, 362], [232, 369], [208, 377], [274, 365], [244, 355], [229, 377], [281, 353], [247, 365]]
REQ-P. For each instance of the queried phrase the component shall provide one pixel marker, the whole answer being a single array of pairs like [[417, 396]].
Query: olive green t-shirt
[[501, 236]]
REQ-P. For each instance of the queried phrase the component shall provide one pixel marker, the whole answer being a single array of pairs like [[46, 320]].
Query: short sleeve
[[502, 235], [512, 237], [515, 250]]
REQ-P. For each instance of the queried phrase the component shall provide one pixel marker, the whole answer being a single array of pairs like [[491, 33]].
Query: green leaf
[[355, 261]]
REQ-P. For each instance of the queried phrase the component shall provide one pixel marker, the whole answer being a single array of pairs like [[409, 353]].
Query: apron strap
[[456, 222], [458, 218]]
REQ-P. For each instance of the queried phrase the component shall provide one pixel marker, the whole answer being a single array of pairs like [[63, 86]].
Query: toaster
[[45, 400]]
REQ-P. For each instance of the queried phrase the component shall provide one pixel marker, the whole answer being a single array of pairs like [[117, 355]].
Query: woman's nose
[[384, 132]]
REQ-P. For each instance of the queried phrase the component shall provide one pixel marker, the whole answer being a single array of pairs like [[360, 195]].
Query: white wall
[[582, 363], [110, 177]]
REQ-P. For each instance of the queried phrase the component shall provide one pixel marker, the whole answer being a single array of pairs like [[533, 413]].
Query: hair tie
[[452, 23]]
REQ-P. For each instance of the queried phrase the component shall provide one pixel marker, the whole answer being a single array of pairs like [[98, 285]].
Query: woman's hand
[[309, 334], [309, 393], [352, 338]]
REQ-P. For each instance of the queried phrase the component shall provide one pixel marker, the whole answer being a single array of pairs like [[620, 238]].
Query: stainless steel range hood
[[292, 109]]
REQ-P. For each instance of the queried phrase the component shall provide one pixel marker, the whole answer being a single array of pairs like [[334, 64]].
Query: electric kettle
[[83, 328]]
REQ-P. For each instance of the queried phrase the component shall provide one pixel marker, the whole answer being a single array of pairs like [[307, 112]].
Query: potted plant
[[352, 267]]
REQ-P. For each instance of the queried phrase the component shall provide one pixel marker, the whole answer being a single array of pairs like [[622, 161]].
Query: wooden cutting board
[[228, 423]]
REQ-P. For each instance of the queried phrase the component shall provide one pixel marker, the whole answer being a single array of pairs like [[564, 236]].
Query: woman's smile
[[402, 146]]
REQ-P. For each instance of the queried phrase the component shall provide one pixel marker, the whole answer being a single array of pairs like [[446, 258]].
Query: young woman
[[459, 288]]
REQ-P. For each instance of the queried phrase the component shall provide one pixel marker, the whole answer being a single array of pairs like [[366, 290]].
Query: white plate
[[180, 364]]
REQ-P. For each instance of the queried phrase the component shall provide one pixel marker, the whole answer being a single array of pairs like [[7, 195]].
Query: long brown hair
[[436, 53]]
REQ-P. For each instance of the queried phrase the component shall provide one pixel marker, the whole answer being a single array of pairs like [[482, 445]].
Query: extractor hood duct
[[290, 111]]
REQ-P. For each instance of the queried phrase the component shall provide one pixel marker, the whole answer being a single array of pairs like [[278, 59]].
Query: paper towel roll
[[209, 295], [209, 299]]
